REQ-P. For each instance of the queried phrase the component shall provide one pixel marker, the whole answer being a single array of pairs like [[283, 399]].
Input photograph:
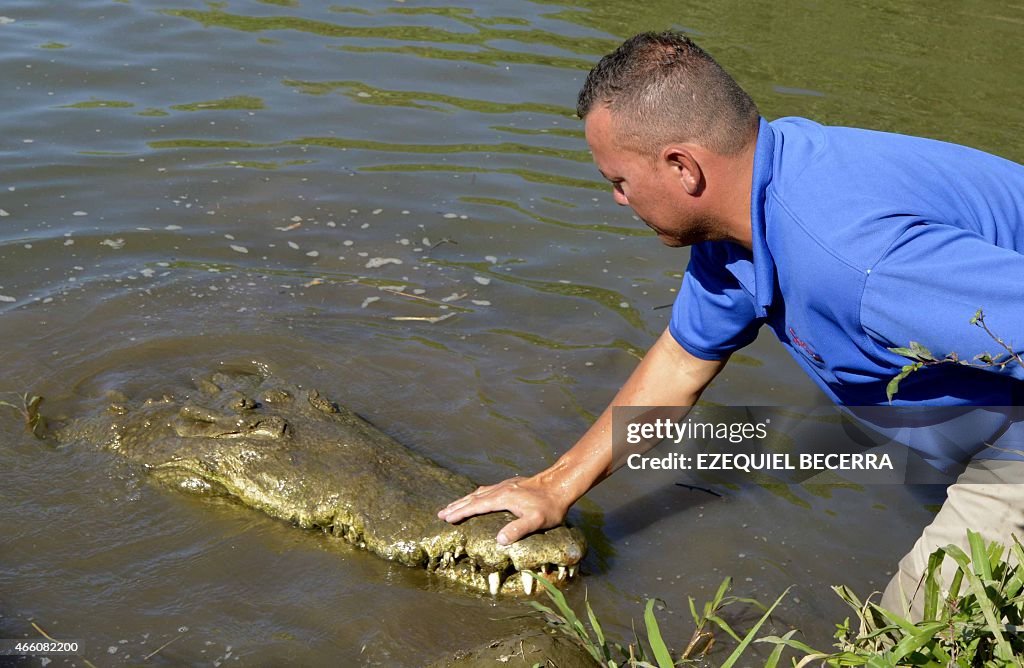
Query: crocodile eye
[[276, 397], [270, 427], [321, 403]]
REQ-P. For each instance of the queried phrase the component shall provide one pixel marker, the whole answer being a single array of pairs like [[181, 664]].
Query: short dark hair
[[661, 87]]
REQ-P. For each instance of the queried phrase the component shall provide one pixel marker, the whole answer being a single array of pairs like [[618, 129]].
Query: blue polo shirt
[[863, 241]]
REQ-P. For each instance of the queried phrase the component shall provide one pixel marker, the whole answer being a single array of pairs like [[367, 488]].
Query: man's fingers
[[454, 505], [478, 506], [446, 512], [458, 503], [516, 529]]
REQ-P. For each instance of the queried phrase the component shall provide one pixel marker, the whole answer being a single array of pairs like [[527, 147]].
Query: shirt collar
[[764, 265]]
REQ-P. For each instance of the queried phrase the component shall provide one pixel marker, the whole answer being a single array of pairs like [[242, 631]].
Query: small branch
[[979, 320], [446, 240], [922, 357], [157, 650], [46, 635], [42, 632], [694, 488]]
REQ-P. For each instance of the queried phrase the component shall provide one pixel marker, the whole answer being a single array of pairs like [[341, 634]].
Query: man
[[844, 242]]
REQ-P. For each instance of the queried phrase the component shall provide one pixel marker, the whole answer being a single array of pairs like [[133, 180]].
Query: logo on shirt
[[797, 341]]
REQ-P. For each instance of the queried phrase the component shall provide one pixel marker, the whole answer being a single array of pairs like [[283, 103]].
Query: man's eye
[[617, 186]]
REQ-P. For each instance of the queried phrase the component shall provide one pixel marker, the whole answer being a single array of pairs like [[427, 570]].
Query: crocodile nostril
[[240, 402]]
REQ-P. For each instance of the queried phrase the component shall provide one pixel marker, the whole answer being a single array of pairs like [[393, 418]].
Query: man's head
[[663, 88], [674, 134]]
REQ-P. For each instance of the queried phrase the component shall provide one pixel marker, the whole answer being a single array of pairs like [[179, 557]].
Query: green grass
[[652, 650], [975, 622]]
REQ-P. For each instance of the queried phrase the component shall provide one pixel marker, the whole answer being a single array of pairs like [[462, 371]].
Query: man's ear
[[683, 163]]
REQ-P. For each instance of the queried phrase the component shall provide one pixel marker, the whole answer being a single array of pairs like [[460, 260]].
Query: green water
[[392, 201]]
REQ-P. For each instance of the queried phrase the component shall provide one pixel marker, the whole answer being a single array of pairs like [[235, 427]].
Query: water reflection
[[484, 32], [364, 94]]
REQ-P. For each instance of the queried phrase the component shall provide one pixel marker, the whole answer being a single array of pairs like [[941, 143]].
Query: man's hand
[[529, 499], [667, 376]]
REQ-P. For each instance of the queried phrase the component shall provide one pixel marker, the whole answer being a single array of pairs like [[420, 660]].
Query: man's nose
[[620, 198]]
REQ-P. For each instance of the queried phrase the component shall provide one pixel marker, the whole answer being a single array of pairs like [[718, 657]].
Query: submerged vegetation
[[975, 622], [35, 423]]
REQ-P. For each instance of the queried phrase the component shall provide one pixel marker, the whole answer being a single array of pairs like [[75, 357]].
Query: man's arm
[[667, 376]]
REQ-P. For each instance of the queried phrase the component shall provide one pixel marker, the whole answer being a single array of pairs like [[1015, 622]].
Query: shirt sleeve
[[713, 316], [932, 281]]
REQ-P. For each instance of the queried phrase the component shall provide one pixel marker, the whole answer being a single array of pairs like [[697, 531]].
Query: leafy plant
[[29, 411], [635, 655], [978, 622], [923, 357], [975, 624]]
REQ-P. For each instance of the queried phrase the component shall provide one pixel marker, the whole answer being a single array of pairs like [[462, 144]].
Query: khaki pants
[[988, 498]]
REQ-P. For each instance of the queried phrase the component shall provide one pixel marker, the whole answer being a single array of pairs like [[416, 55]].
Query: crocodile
[[292, 453]]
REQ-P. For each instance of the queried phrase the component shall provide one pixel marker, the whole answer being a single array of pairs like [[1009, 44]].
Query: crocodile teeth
[[572, 572], [458, 552], [527, 583], [545, 569], [494, 582], [561, 572]]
